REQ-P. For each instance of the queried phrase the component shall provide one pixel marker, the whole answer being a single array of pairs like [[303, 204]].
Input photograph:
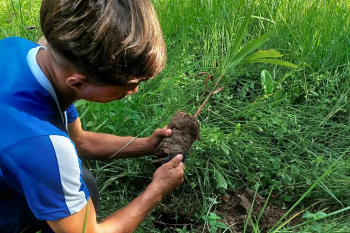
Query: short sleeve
[[47, 171], [72, 113]]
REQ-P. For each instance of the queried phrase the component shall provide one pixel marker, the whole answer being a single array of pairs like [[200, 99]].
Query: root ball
[[185, 130]]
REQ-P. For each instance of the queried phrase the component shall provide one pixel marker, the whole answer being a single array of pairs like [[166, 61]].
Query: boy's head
[[109, 41]]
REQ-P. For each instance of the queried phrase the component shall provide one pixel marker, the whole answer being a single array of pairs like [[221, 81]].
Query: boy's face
[[105, 94]]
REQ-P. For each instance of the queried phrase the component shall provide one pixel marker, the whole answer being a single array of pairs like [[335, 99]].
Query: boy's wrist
[[153, 190], [148, 147]]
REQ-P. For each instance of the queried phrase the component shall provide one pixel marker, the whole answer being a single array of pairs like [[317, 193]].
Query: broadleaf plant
[[267, 82]]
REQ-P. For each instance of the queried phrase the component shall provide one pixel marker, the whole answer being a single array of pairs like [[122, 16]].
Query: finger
[[181, 166], [164, 132], [176, 160], [168, 132]]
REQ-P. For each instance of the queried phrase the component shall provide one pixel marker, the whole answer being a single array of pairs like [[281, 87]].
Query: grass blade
[[326, 173]]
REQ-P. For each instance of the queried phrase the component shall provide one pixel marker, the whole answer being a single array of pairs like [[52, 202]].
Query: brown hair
[[109, 41]]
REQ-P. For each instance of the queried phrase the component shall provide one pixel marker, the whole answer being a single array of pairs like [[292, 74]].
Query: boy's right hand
[[169, 176]]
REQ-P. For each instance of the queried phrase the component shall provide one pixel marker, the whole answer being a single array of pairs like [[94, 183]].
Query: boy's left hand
[[157, 137]]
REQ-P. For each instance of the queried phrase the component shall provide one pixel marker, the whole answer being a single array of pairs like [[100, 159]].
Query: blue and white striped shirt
[[37, 158]]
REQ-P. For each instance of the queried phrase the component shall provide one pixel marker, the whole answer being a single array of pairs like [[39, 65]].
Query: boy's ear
[[77, 82]]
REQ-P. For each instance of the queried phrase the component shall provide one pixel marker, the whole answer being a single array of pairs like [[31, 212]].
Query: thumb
[[176, 160], [165, 132]]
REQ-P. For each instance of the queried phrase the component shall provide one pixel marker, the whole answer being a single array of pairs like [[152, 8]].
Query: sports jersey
[[38, 161]]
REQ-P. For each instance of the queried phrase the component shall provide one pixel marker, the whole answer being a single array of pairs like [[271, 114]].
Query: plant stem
[[208, 97]]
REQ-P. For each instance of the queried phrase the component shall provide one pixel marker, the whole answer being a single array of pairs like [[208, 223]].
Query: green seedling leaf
[[221, 225], [213, 216], [267, 82], [278, 96], [275, 62], [247, 49], [206, 218], [263, 54], [90, 124]]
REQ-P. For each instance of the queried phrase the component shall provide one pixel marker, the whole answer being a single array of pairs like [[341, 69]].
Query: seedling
[[184, 126]]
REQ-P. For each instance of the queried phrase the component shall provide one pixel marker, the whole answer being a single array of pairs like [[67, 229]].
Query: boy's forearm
[[103, 146], [125, 220]]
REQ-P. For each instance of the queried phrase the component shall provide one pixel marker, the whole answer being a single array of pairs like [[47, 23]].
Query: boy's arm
[[127, 219], [92, 145]]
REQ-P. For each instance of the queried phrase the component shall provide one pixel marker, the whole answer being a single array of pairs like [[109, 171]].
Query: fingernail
[[179, 156]]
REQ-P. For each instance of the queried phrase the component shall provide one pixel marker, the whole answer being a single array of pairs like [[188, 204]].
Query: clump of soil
[[185, 130], [235, 208]]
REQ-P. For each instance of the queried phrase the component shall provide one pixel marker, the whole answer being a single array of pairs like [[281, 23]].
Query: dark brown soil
[[185, 130], [235, 207]]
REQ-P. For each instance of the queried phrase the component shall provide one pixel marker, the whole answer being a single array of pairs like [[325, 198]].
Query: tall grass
[[247, 138], [17, 17]]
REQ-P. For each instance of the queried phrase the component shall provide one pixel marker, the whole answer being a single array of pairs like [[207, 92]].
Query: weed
[[213, 223]]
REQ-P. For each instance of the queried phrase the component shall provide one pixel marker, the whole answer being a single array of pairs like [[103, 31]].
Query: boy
[[99, 51]]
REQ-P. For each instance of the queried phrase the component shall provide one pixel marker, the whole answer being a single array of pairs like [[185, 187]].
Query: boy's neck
[[57, 78]]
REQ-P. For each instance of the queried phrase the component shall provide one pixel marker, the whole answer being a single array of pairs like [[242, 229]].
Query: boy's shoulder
[[18, 126], [15, 45], [28, 109], [16, 41]]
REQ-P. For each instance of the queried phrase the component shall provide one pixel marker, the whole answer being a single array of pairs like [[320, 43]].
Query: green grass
[[16, 15], [247, 137]]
